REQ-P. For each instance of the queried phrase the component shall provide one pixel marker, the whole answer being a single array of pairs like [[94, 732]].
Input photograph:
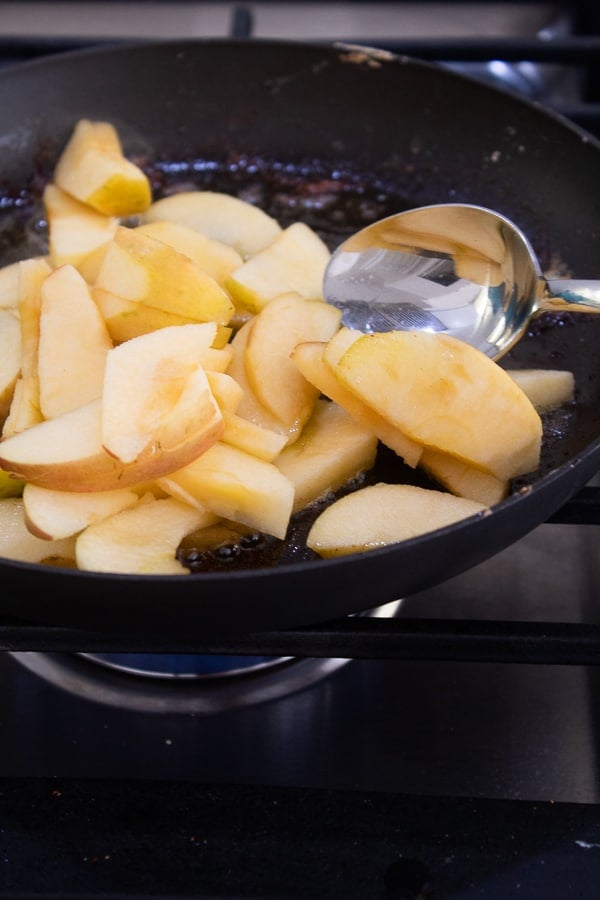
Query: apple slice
[[127, 319], [53, 515], [222, 217], [309, 357], [10, 358], [25, 407], [18, 543], [274, 378], [226, 391], [249, 406], [332, 450], [66, 453], [139, 268], [74, 229], [253, 439], [294, 261], [383, 514], [156, 393], [546, 388], [215, 258], [462, 479], [139, 541], [93, 169], [73, 344], [238, 486], [9, 285], [446, 395]]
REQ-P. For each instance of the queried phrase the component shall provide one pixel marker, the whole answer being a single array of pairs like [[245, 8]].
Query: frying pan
[[310, 121]]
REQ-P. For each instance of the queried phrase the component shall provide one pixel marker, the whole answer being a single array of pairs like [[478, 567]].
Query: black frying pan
[[338, 136]]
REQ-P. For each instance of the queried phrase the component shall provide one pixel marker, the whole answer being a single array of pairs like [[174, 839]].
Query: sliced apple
[[139, 541], [10, 358], [249, 406], [226, 390], [156, 393], [383, 514], [139, 268], [215, 258], [294, 261], [74, 229], [25, 407], [18, 543], [53, 515], [73, 344], [462, 479], [448, 396], [242, 225], [126, 319], [9, 286], [546, 388], [238, 486], [332, 450], [252, 438], [309, 357], [93, 169], [66, 453], [275, 379]]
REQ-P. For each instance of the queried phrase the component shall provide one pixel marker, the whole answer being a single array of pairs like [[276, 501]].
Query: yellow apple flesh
[[18, 543], [463, 480], [309, 357], [138, 541], [384, 514], [25, 406], [53, 515], [332, 449], [10, 359], [448, 396], [275, 379], [250, 406], [295, 261], [74, 230], [73, 344], [253, 439], [93, 169], [137, 267], [238, 486], [66, 453], [224, 218], [546, 388], [156, 394], [215, 258]]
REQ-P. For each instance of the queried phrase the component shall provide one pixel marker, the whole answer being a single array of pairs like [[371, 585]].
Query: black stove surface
[[464, 779]]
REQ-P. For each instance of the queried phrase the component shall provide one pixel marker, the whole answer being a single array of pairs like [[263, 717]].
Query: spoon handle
[[573, 294]]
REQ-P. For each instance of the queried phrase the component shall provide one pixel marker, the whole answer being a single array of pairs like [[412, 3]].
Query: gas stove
[[445, 745]]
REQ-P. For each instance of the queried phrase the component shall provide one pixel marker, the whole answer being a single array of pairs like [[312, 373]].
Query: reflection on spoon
[[457, 268]]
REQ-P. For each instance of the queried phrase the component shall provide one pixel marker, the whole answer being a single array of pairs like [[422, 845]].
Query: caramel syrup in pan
[[335, 203]]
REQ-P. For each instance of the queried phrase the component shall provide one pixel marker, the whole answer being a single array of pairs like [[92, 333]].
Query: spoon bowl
[[456, 268]]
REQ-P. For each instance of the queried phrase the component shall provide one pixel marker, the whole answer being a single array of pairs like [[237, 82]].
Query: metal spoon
[[457, 268]]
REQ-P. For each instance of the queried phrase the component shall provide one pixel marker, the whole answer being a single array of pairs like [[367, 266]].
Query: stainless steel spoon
[[456, 268]]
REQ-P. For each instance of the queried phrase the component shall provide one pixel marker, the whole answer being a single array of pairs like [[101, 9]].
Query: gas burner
[[183, 683]]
